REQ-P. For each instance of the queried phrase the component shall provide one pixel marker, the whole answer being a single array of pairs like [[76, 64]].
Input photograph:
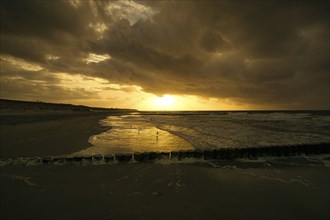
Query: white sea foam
[[245, 129]]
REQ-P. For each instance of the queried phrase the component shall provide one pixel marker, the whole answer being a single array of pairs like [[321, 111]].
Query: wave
[[235, 129]]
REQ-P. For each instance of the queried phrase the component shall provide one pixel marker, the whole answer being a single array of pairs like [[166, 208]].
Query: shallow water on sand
[[133, 133]]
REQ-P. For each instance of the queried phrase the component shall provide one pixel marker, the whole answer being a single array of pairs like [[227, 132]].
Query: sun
[[166, 102]]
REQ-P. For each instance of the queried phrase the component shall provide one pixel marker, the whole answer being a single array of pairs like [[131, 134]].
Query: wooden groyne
[[216, 154]]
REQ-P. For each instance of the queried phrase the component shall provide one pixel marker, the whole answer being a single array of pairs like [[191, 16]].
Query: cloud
[[269, 54]]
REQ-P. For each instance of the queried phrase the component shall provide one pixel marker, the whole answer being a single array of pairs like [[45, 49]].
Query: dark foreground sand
[[158, 191]]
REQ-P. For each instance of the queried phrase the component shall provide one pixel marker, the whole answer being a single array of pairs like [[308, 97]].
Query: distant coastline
[[13, 112], [18, 105]]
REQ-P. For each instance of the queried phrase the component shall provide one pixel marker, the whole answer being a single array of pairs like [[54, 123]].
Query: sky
[[167, 55]]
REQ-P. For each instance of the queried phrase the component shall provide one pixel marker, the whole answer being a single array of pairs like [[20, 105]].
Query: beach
[[164, 191], [61, 134], [187, 188]]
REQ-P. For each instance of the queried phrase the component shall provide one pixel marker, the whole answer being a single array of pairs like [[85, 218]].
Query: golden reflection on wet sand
[[137, 135]]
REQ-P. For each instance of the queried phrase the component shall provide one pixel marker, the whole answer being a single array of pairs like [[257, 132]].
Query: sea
[[168, 131], [202, 135]]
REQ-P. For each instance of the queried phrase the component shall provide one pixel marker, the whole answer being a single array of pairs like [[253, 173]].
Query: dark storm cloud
[[271, 54], [30, 29]]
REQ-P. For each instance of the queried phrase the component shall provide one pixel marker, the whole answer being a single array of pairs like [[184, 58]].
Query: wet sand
[[158, 191], [42, 134]]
